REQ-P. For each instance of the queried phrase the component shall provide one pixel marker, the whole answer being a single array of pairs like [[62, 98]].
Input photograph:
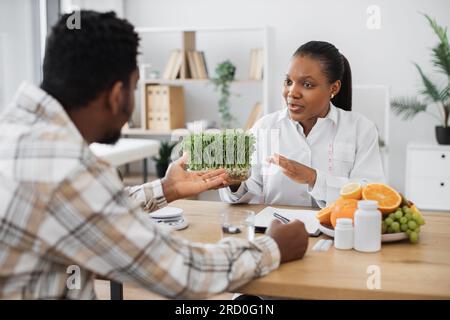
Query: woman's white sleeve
[[367, 167]]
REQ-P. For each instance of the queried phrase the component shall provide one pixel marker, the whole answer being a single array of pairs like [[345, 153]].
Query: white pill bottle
[[367, 220]]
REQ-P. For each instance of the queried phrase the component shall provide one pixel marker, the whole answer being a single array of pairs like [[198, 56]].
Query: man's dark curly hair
[[79, 64]]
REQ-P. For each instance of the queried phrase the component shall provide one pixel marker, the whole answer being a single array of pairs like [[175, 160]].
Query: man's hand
[[294, 170], [178, 183], [291, 238]]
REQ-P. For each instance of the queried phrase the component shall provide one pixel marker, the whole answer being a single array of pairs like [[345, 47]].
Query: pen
[[280, 217]]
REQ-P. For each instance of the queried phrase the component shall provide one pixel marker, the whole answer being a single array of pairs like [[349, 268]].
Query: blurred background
[[381, 39]]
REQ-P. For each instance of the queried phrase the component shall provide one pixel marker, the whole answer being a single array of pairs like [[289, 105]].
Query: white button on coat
[[342, 147]]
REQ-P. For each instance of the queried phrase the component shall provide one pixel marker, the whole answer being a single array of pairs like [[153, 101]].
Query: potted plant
[[163, 159], [434, 94], [224, 75]]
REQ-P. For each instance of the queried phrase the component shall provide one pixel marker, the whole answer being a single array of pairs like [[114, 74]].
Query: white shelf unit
[[186, 34], [428, 176]]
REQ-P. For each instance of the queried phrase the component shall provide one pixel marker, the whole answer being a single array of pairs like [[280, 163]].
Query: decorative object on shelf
[[143, 71], [163, 159], [165, 107], [229, 149], [224, 75], [154, 74], [434, 94]]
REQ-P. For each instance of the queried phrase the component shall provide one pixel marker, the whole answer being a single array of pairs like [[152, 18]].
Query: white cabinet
[[428, 176]]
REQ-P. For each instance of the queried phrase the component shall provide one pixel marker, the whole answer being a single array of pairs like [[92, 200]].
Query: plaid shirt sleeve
[[94, 224], [144, 196]]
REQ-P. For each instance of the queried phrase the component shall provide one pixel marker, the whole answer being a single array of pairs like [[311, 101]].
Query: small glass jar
[[343, 234]]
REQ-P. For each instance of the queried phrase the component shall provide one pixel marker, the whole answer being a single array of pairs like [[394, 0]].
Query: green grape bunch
[[405, 219]]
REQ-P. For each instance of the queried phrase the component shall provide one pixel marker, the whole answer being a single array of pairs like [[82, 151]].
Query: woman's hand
[[294, 170], [233, 182], [178, 183], [230, 182]]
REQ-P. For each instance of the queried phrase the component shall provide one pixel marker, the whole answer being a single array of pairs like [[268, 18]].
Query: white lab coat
[[341, 147]]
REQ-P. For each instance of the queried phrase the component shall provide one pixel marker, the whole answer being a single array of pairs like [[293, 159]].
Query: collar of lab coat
[[332, 114]]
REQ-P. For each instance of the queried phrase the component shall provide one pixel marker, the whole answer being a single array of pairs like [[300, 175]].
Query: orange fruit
[[388, 199], [343, 208], [324, 216], [351, 190]]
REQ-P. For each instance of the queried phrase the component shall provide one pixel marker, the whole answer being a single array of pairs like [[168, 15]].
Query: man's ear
[[115, 97], [335, 87]]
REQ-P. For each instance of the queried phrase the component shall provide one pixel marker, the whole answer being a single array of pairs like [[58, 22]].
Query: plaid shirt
[[61, 206]]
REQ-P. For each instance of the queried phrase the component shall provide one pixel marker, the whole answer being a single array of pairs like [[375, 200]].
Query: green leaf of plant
[[445, 94], [441, 58], [224, 75], [164, 153], [407, 107], [438, 30], [430, 90]]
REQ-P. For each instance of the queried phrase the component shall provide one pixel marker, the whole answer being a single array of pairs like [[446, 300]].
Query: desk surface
[[126, 150], [408, 271]]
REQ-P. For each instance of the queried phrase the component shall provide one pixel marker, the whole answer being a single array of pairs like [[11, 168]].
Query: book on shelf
[[200, 64], [192, 66], [173, 65], [177, 65], [204, 65], [256, 64], [197, 64], [169, 65], [252, 63]]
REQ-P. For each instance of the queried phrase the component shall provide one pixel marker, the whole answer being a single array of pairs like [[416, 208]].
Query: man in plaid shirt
[[61, 205]]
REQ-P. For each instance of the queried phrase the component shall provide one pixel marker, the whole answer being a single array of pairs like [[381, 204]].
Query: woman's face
[[307, 91]]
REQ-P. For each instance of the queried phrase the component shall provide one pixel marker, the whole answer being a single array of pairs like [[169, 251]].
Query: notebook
[[308, 217]]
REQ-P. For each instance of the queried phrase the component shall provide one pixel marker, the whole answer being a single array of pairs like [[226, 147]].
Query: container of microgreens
[[230, 149]]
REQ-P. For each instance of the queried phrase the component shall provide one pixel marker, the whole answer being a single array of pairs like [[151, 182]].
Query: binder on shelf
[[164, 107]]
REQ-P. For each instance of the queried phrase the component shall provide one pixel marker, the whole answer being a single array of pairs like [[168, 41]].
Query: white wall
[[381, 57], [17, 47], [68, 6]]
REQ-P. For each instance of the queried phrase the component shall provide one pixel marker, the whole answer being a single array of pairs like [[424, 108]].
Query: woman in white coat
[[306, 152]]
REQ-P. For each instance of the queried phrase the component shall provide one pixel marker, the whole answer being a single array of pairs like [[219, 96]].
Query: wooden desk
[[408, 271]]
